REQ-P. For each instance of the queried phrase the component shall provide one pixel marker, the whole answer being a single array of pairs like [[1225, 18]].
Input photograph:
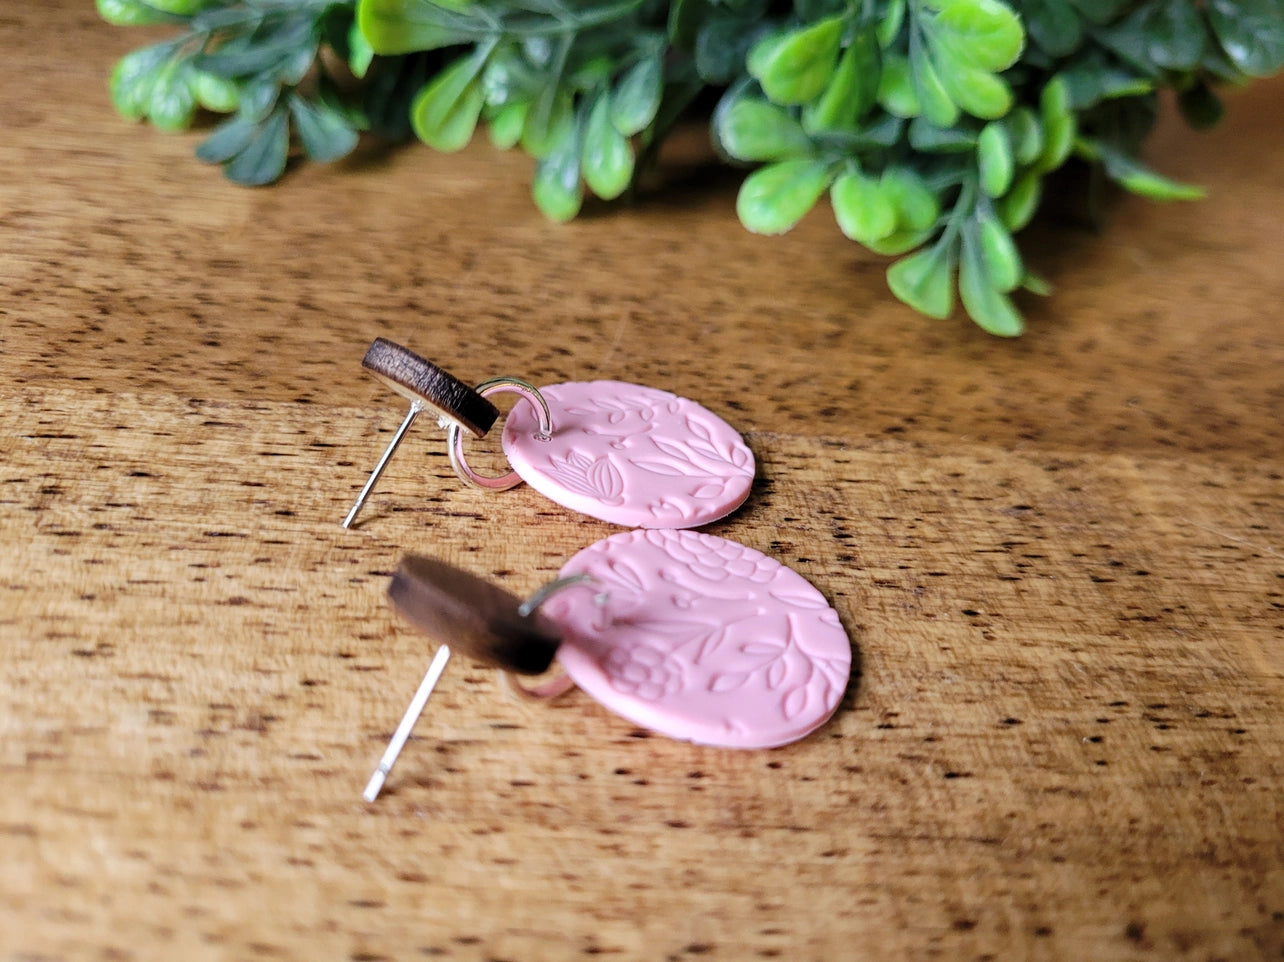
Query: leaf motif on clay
[[660, 467], [794, 702], [702, 439], [625, 574], [812, 600], [676, 626], [678, 632], [728, 681], [673, 449], [698, 428], [776, 674], [709, 646], [762, 647]]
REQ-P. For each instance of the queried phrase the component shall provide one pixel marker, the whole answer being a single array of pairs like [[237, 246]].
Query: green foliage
[[931, 125], [261, 62]]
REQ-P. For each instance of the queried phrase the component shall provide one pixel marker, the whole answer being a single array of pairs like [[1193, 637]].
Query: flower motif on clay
[[595, 477], [643, 671]]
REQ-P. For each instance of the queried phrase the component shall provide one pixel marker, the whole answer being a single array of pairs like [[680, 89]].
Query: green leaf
[[1018, 206], [852, 90], [983, 34], [1162, 33], [183, 8], [557, 188], [131, 13], [774, 198], [591, 74], [324, 133], [507, 123], [937, 105], [995, 161], [896, 87], [637, 96], [998, 253], [133, 78], [215, 93], [917, 205], [863, 209], [1026, 133], [539, 139], [284, 48], [754, 130], [1092, 79], [990, 308], [925, 280], [1135, 176], [1176, 31], [1036, 284], [1053, 25], [508, 77], [263, 159], [981, 94], [297, 64], [1251, 32], [407, 26], [927, 137], [172, 103], [889, 27], [795, 67], [1059, 126], [258, 98], [721, 47], [445, 113], [685, 18], [360, 53], [898, 242], [606, 157], [228, 139]]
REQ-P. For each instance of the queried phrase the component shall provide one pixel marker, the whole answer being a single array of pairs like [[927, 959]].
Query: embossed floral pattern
[[632, 455], [702, 639]]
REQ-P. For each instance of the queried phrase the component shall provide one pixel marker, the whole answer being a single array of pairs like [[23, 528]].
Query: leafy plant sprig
[[269, 64], [932, 125]]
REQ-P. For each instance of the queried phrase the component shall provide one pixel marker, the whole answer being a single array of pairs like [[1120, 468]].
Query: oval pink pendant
[[631, 455], [702, 639]]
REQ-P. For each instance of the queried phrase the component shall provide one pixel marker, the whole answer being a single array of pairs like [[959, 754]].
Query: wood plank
[[1059, 559]]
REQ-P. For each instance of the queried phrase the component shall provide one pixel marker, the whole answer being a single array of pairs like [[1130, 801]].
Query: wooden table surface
[[1060, 560]]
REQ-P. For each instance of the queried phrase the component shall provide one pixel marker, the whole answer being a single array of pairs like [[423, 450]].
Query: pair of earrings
[[693, 636]]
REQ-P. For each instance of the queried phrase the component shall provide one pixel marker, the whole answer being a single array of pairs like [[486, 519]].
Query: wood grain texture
[[1061, 561]]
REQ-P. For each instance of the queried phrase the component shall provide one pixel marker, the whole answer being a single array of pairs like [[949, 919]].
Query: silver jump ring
[[558, 684], [455, 440]]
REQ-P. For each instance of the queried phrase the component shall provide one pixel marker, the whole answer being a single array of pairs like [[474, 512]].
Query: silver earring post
[[417, 704], [408, 720], [415, 408]]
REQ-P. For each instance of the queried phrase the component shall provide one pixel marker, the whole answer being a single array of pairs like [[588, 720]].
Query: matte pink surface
[[701, 639], [631, 455]]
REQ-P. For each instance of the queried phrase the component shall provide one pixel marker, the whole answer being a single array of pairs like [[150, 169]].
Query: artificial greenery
[[932, 124]]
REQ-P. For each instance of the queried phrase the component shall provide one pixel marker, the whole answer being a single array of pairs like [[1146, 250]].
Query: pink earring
[[631, 455], [684, 633]]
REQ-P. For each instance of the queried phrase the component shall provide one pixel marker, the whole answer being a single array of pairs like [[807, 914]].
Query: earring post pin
[[408, 720], [415, 408]]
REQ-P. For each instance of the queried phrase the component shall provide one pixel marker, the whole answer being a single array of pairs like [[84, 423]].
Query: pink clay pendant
[[631, 455], [701, 639]]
